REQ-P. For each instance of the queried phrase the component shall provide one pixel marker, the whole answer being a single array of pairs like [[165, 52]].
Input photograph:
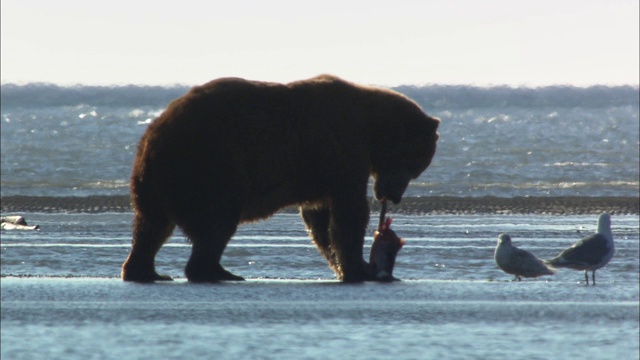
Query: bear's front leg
[[347, 226], [317, 223]]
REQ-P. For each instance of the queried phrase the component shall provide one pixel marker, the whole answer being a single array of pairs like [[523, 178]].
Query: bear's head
[[403, 150]]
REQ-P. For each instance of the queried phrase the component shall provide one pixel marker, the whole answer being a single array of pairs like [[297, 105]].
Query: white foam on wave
[[573, 163], [92, 113]]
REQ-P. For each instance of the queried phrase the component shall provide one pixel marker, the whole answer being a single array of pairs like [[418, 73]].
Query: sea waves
[[496, 141]]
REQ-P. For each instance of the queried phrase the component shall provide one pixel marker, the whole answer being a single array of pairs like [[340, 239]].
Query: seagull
[[589, 254], [519, 262]]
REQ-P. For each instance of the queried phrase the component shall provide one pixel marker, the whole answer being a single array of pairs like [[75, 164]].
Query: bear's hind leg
[[149, 234], [209, 236]]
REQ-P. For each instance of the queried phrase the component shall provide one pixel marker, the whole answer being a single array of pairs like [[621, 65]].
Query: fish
[[384, 249]]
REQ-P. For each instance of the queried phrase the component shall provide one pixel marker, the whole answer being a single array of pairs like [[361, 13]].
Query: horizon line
[[416, 84]]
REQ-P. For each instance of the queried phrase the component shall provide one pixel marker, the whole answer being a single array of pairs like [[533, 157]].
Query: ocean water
[[62, 298], [499, 141]]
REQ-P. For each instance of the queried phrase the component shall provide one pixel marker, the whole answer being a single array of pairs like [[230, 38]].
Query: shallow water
[[61, 297], [416, 319]]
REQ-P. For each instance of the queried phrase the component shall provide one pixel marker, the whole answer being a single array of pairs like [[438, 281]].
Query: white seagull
[[519, 262], [589, 254]]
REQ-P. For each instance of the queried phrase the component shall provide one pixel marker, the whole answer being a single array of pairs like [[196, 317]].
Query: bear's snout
[[390, 188]]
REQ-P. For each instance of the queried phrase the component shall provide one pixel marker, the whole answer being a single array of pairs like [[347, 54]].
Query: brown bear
[[233, 151]]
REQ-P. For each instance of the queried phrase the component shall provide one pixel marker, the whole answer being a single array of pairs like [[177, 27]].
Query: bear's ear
[[430, 125], [420, 133], [435, 123], [425, 128]]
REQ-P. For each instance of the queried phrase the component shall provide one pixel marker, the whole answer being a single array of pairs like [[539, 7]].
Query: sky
[[389, 43]]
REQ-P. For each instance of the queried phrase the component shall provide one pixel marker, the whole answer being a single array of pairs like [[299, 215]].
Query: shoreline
[[436, 205]]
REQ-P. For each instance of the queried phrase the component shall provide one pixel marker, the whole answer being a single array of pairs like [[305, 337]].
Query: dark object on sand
[[518, 262], [384, 249], [589, 254], [16, 222]]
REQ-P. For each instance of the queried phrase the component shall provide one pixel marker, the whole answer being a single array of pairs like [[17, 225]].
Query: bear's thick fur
[[233, 151]]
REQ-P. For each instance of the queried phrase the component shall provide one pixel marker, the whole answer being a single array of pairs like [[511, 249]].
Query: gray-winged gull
[[519, 262], [591, 253]]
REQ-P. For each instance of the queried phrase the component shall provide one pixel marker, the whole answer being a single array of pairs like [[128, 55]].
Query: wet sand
[[49, 318], [410, 205]]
